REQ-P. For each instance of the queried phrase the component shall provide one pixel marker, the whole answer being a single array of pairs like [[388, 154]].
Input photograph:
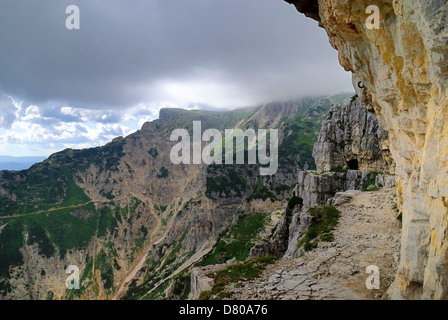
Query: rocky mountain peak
[[351, 138]]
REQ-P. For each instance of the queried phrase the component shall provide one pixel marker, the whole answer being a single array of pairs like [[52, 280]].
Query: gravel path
[[368, 233]]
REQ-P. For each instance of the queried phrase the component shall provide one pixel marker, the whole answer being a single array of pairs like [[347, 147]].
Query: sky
[[62, 88]]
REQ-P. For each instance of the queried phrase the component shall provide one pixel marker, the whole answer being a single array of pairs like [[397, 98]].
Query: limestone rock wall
[[349, 133], [403, 67], [351, 138]]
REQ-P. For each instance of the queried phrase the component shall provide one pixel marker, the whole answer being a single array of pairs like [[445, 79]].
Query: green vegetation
[[325, 218], [400, 214], [41, 188], [177, 247], [210, 119], [327, 237], [65, 231], [164, 173], [160, 208], [292, 203], [107, 195], [144, 231], [167, 218], [106, 157], [153, 152], [38, 235], [50, 184], [353, 98], [370, 182], [135, 292], [299, 142], [301, 132], [126, 212], [138, 245], [159, 292], [107, 221], [103, 262], [56, 230], [11, 240], [182, 286], [59, 230], [239, 240], [228, 183], [281, 188], [181, 282], [247, 270], [261, 192]]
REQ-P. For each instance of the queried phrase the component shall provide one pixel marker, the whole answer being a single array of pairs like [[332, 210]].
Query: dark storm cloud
[[7, 112], [151, 51]]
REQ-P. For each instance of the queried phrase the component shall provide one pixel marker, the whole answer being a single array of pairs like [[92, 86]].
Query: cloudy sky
[[64, 88]]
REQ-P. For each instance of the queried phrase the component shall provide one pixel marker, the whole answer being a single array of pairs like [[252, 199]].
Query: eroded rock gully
[[403, 66]]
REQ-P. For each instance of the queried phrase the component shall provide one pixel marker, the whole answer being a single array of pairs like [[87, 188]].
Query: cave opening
[[353, 164]]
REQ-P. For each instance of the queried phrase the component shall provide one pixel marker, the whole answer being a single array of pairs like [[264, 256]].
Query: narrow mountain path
[[50, 210], [2, 227], [368, 234]]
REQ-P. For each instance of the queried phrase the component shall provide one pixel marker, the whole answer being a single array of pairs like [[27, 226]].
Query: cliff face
[[402, 72], [351, 138]]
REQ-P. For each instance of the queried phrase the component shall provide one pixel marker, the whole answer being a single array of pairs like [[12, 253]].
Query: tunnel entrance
[[353, 164]]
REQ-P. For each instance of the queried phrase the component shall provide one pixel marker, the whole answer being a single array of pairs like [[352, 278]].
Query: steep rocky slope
[[368, 234], [351, 138], [401, 71], [132, 221]]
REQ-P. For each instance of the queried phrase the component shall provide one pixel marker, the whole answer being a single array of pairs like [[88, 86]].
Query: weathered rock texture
[[367, 234], [200, 281], [319, 189], [350, 133], [404, 70], [351, 138]]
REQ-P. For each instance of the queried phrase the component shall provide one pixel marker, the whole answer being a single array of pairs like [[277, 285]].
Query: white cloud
[[9, 111], [33, 134], [213, 54], [202, 91], [141, 121], [31, 112]]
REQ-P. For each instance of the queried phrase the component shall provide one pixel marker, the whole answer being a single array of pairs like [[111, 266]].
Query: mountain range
[[134, 223]]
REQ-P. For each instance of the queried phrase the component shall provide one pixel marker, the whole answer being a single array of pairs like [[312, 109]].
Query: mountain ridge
[[107, 209]]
